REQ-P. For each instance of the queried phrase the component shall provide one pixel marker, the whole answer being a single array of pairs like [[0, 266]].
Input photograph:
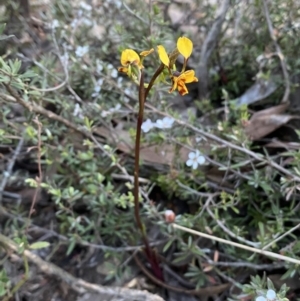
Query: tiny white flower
[[67, 46], [97, 88], [55, 24], [195, 159], [100, 81], [78, 111], [81, 51], [104, 113], [117, 107], [165, 123], [271, 295], [99, 67], [118, 4], [128, 91], [74, 23], [260, 298], [147, 126], [65, 58], [96, 92], [114, 73]]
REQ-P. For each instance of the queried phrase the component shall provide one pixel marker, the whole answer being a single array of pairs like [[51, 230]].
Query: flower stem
[[152, 81], [143, 93]]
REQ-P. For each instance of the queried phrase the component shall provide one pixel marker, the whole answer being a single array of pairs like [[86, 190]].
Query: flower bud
[[170, 216]]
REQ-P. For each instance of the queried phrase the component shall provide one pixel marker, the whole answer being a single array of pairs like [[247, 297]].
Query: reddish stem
[[143, 93]]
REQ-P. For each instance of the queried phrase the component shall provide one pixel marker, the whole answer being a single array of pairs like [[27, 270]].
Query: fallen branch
[[208, 47], [77, 284], [279, 53]]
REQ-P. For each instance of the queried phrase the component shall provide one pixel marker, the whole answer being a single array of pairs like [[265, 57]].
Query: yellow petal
[[188, 77], [182, 89], [129, 57], [163, 56], [174, 86], [180, 81], [146, 52], [185, 47]]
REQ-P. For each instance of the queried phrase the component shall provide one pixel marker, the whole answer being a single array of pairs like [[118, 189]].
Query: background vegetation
[[68, 123]]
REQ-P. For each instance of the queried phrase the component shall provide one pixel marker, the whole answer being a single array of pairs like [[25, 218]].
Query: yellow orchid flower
[[180, 81], [129, 57], [185, 47], [163, 56]]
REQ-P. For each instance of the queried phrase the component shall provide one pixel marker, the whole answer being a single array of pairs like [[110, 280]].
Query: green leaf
[[15, 65], [261, 229], [2, 289], [243, 163], [39, 245], [4, 66], [28, 74], [4, 79], [167, 245], [270, 285], [34, 93], [71, 246], [2, 27], [156, 9]]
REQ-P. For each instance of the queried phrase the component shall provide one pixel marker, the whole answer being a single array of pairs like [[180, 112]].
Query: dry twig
[[208, 47], [278, 52], [10, 166], [234, 244], [77, 284], [39, 178]]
